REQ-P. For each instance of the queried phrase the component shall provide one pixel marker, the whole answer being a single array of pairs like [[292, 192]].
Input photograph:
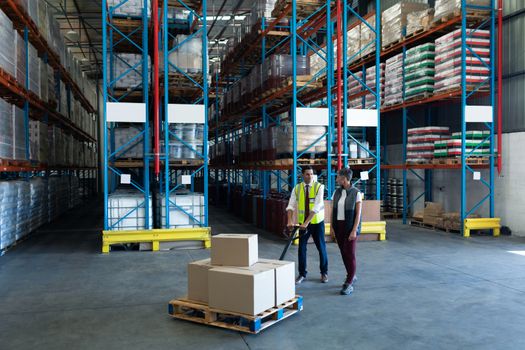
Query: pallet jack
[[295, 234]]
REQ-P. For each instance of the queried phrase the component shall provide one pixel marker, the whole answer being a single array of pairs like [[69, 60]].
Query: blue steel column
[[345, 85], [205, 85], [492, 102], [378, 99], [329, 83], [293, 112], [105, 97], [145, 87], [405, 201], [265, 175], [463, 108]]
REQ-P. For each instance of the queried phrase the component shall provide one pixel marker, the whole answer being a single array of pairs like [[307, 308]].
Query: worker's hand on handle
[[290, 226], [303, 226], [352, 236]]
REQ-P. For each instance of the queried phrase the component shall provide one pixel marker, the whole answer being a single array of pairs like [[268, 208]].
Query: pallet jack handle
[[296, 233]]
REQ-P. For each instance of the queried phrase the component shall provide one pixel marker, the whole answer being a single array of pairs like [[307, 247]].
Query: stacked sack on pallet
[[419, 21], [236, 280], [355, 87], [448, 59], [370, 99], [394, 80], [475, 142], [419, 71], [394, 21], [450, 8], [420, 146], [23, 202]]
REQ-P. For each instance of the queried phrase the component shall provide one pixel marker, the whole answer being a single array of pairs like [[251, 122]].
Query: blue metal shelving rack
[[113, 35]]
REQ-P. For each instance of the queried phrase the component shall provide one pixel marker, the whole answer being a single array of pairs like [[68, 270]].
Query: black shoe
[[300, 280], [324, 278], [347, 289]]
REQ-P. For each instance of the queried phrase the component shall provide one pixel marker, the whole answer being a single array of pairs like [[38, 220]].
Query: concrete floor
[[419, 290]]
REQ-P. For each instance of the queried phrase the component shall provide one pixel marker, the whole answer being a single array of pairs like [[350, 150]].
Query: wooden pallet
[[417, 32], [188, 310], [456, 161], [420, 96], [390, 215], [361, 161], [421, 224]]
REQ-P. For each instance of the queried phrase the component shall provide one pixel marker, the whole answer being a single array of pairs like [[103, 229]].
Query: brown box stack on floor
[[432, 213], [236, 280]]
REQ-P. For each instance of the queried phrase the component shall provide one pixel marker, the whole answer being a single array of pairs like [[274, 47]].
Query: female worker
[[346, 223]]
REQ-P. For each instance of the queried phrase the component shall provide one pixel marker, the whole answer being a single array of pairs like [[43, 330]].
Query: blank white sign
[[361, 117], [476, 176], [125, 112], [186, 114], [364, 175], [125, 179], [186, 179], [312, 116], [479, 114]]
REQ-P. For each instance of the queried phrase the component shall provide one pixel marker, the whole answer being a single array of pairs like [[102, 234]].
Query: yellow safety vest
[[300, 196]]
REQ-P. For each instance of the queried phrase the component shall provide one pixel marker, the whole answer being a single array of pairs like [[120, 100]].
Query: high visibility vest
[[299, 191]]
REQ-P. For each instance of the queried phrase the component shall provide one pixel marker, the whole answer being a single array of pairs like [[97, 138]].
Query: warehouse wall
[[509, 187]]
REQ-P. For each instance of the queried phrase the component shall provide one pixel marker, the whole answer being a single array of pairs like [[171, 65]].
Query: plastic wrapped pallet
[[44, 20], [34, 71], [367, 37], [132, 8], [6, 130], [128, 77], [450, 8], [370, 99], [19, 144], [8, 213], [130, 146], [20, 49], [306, 136], [184, 135], [419, 21], [23, 201], [394, 21], [186, 210], [38, 141], [38, 200], [353, 44], [132, 202], [394, 80], [7, 42], [419, 71], [448, 59], [188, 55]]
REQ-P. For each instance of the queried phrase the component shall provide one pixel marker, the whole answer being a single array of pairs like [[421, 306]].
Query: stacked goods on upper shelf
[[445, 9], [419, 21], [368, 37], [7, 39], [448, 59], [360, 40], [394, 80], [127, 142], [184, 136], [420, 146], [128, 78], [129, 8], [187, 55], [394, 21], [38, 141], [370, 99], [126, 210], [355, 87], [419, 71]]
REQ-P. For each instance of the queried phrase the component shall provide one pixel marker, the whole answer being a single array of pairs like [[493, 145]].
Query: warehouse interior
[[152, 154]]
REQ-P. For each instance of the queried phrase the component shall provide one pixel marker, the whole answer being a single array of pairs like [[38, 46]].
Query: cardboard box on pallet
[[198, 280], [284, 279], [243, 290], [234, 250], [432, 213]]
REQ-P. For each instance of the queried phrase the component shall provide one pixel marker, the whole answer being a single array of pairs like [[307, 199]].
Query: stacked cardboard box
[[420, 146], [394, 20], [236, 280], [448, 59], [433, 213], [419, 71]]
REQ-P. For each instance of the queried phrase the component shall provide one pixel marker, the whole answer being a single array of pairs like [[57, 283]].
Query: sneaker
[[300, 279], [347, 289], [324, 278], [354, 280]]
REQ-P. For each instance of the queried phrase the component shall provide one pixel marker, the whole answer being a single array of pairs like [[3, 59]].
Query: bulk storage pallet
[[188, 310]]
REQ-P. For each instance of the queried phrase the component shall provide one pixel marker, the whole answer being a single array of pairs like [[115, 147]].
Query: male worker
[[307, 200]]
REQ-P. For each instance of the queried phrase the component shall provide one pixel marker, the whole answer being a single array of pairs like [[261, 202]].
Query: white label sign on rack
[[186, 179], [186, 114], [364, 175], [125, 112], [361, 117], [476, 176], [312, 116], [125, 179], [479, 114]]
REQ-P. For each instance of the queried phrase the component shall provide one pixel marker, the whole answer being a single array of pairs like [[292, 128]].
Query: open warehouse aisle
[[419, 289]]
